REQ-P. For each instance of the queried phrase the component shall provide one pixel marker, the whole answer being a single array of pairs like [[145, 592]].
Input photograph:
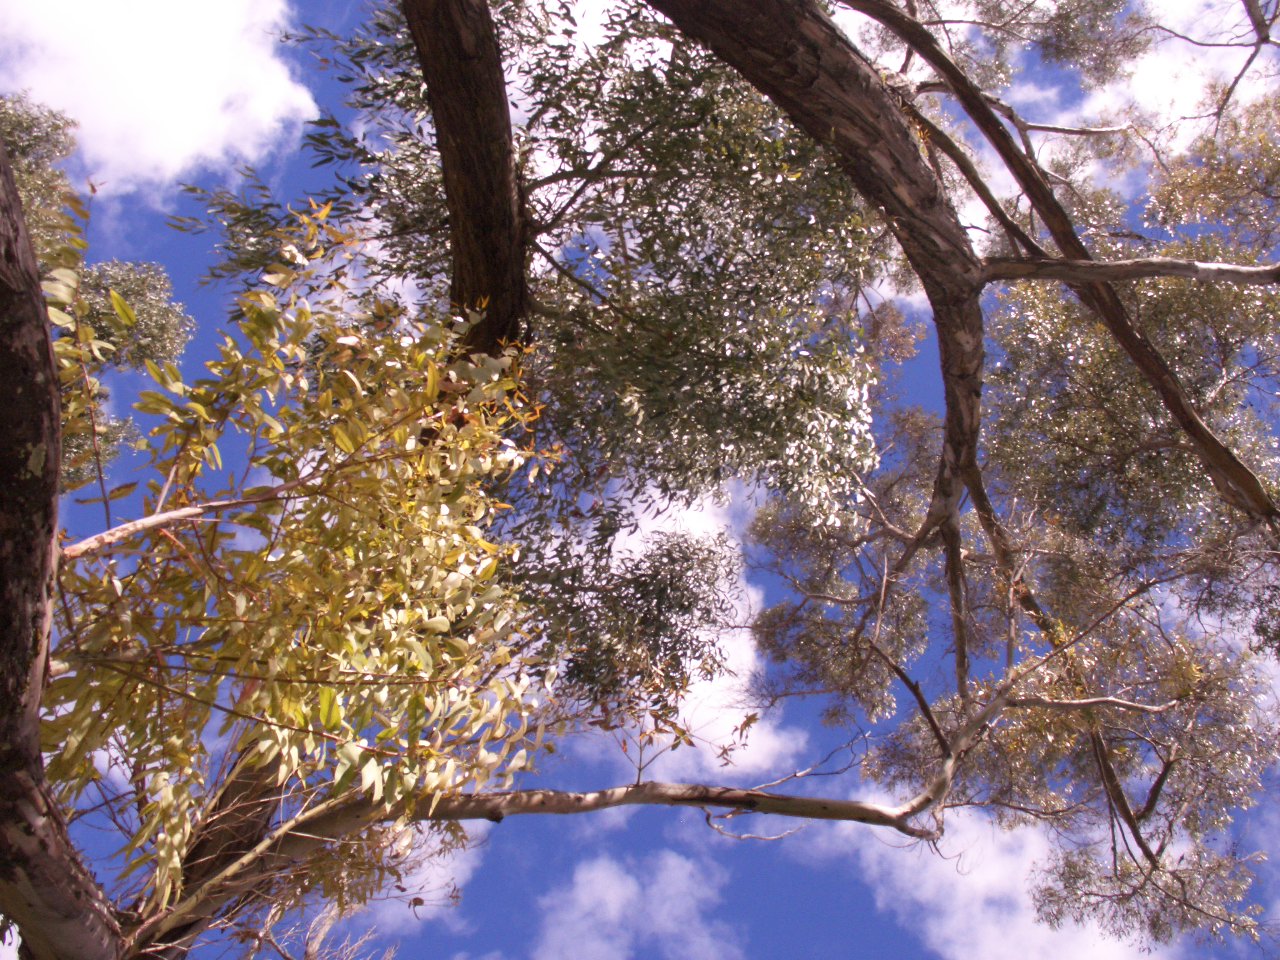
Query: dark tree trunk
[[44, 888], [458, 51]]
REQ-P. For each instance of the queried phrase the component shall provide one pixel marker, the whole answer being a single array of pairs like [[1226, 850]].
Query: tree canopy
[[563, 279]]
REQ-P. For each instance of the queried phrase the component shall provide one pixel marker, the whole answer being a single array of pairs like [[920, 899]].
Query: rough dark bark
[[458, 51], [44, 888], [791, 52]]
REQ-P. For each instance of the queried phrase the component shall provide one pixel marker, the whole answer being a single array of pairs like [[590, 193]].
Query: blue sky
[[168, 93]]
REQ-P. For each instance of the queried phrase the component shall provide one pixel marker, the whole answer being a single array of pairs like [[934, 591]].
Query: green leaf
[[123, 310], [330, 709]]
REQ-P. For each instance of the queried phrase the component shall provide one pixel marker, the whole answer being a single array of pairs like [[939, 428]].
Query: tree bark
[[44, 888], [791, 52], [457, 48], [1236, 483], [1086, 271]]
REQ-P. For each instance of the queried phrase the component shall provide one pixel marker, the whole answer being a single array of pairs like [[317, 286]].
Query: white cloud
[[1171, 79], [973, 900], [433, 881], [160, 89], [713, 708], [655, 908]]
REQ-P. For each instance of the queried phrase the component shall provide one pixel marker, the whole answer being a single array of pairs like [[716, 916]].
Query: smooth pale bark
[[44, 888], [457, 49], [1085, 271], [326, 823]]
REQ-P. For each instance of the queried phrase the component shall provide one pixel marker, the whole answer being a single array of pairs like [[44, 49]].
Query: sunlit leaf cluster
[[329, 612]]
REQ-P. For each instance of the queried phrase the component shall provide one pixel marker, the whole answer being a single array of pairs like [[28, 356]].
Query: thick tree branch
[[311, 831], [458, 52], [1088, 703], [978, 184], [1119, 802], [792, 52], [44, 889], [1089, 271], [1236, 483]]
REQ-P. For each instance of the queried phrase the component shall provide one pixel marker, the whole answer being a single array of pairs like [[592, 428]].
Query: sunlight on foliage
[[329, 613]]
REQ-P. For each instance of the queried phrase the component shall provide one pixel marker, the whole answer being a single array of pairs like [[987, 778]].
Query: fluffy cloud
[[612, 911], [433, 881], [1172, 78], [160, 89], [973, 900], [713, 708]]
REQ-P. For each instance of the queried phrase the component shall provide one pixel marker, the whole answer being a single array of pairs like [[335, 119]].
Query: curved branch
[[1235, 482], [793, 53], [953, 151], [326, 823]]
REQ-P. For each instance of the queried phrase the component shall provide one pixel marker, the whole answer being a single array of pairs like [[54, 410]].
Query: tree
[[682, 229], [158, 329]]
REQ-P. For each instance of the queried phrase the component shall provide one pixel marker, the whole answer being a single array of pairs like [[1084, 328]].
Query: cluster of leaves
[[1100, 622], [153, 327], [696, 258], [696, 264], [328, 616]]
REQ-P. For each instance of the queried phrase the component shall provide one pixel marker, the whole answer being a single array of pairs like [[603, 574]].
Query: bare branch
[[1261, 28], [168, 518], [1115, 794], [978, 184], [1087, 703], [1089, 271], [309, 831]]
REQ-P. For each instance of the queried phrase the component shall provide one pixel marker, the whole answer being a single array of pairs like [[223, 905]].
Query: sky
[[167, 93]]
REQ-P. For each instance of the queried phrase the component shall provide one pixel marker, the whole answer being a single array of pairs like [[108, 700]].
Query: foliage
[[153, 326], [1041, 601], [328, 613]]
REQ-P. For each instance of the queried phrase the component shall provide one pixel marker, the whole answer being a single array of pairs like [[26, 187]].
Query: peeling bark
[[44, 888]]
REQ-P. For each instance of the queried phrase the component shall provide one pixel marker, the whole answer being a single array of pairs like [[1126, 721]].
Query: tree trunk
[[792, 53], [44, 888], [458, 51]]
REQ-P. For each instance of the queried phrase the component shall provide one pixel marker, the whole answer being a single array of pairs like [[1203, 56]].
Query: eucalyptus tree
[[1039, 602], [39, 140], [1127, 462]]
